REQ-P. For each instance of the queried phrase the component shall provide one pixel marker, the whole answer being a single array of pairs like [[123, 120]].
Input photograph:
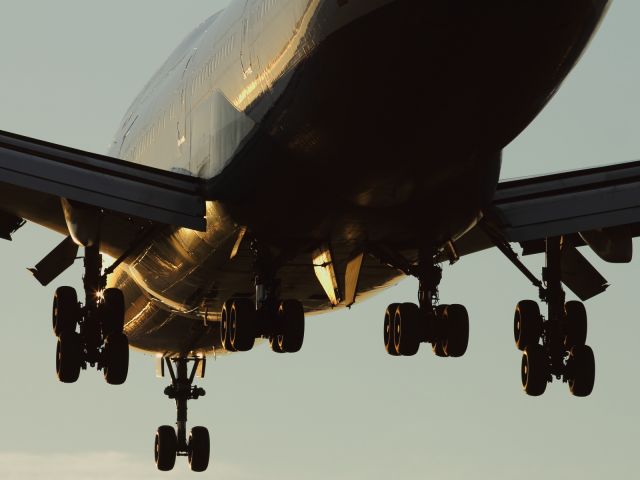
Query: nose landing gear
[[170, 442]]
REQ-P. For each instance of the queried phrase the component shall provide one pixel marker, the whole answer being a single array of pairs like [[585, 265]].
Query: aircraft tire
[[389, 316], [583, 371], [66, 311], [406, 329], [456, 338], [574, 324], [534, 370], [68, 357], [112, 312], [527, 324], [291, 325], [199, 449], [166, 448], [225, 331], [274, 343], [438, 345], [116, 359], [242, 325]]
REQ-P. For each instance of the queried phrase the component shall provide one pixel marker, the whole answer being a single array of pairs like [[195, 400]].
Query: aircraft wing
[[131, 199], [598, 207]]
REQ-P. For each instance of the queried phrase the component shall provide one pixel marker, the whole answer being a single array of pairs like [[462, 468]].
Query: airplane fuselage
[[337, 122]]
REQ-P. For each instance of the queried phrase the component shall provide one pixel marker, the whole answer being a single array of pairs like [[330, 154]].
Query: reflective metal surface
[[333, 122]]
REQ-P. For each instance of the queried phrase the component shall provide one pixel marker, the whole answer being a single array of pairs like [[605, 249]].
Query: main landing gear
[[279, 321], [555, 346], [91, 334], [407, 325], [172, 442]]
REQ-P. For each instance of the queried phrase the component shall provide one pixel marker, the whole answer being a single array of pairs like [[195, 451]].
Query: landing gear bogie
[[91, 334], [407, 325], [555, 346]]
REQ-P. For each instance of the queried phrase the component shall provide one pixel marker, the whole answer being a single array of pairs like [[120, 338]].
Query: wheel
[[199, 449], [574, 325], [166, 448], [534, 370], [69, 357], [291, 325], [583, 371], [389, 315], [274, 342], [242, 324], [225, 331], [112, 312], [456, 323], [439, 331], [406, 329], [527, 324], [116, 359], [66, 311]]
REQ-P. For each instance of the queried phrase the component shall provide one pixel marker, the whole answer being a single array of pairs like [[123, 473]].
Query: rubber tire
[[242, 325], [534, 370], [527, 324], [112, 312], [291, 325], [406, 329], [66, 311], [389, 315], [275, 344], [116, 359], [574, 324], [199, 449], [456, 323], [583, 375], [438, 346], [225, 331], [69, 357], [166, 448]]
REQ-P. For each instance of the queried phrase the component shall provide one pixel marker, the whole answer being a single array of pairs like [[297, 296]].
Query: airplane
[[288, 159]]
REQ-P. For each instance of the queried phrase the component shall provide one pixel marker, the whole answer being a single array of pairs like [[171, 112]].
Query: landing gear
[[407, 325], [555, 346], [91, 334], [280, 321], [171, 443]]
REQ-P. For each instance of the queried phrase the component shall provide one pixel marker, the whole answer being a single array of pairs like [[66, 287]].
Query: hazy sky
[[341, 408]]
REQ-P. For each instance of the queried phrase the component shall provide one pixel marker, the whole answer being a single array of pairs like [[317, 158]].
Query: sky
[[341, 408]]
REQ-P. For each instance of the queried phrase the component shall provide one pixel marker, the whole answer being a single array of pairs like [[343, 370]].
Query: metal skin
[[340, 122]]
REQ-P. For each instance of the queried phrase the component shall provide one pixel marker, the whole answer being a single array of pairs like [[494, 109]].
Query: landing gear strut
[[563, 353], [91, 334], [280, 321], [555, 346], [406, 325], [172, 442]]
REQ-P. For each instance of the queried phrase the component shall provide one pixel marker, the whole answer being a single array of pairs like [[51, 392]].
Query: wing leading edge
[[100, 181], [598, 207]]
